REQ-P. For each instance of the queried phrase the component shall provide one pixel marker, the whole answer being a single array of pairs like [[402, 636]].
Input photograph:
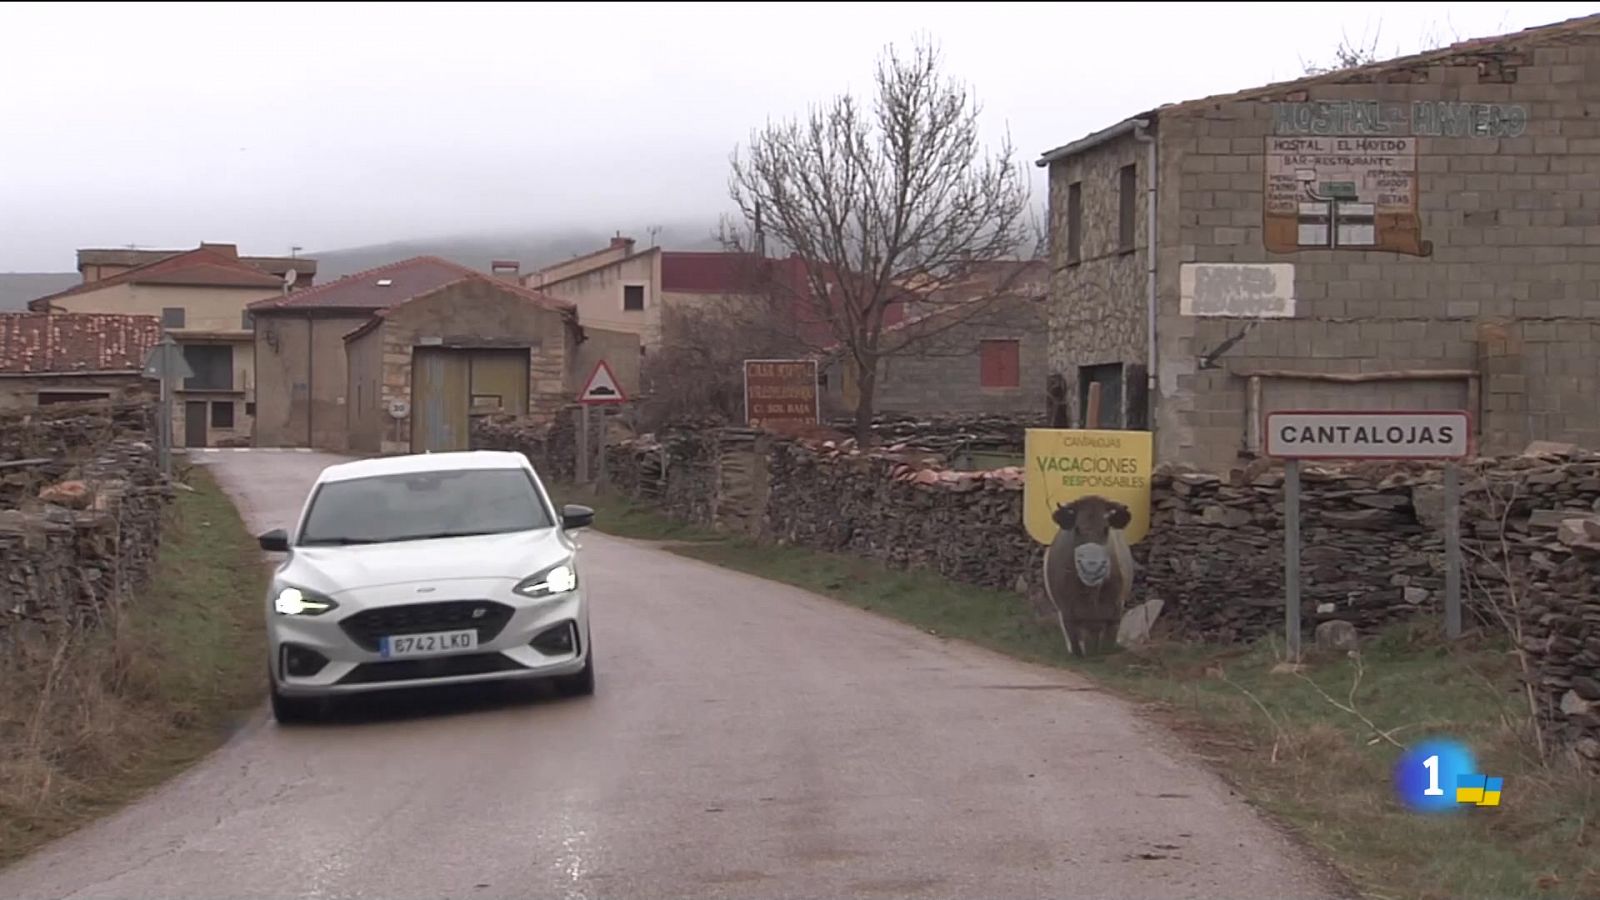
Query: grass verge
[[1283, 740], [100, 716]]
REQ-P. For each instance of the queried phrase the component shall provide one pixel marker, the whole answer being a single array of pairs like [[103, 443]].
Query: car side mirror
[[274, 541], [574, 517]]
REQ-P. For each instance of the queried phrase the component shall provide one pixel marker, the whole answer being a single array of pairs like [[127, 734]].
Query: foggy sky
[[328, 126]]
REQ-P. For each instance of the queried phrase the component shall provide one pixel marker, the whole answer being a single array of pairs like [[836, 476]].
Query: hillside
[[17, 288], [532, 249]]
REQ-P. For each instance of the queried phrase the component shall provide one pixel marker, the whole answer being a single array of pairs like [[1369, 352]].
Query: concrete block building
[[1420, 233]]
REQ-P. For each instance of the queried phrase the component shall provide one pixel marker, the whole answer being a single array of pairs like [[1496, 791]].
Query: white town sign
[[1330, 434]]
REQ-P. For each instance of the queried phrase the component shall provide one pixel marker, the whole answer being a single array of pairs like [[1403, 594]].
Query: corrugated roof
[[201, 266], [63, 343], [390, 284]]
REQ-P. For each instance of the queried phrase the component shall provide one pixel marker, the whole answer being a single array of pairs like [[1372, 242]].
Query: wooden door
[[439, 381], [499, 381], [194, 423]]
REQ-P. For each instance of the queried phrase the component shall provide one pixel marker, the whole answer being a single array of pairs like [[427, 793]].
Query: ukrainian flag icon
[[1479, 790], [1491, 792]]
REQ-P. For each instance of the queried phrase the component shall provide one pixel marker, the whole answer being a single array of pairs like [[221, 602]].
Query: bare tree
[[1350, 55], [880, 208], [697, 372]]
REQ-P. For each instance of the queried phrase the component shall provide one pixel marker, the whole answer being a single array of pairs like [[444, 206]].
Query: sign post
[[601, 390], [1295, 435], [165, 362], [781, 391]]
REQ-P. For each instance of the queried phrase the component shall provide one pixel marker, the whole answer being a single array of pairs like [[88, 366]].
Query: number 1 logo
[[1425, 775]]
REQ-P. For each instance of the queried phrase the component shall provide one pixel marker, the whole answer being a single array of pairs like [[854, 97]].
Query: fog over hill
[[532, 249]]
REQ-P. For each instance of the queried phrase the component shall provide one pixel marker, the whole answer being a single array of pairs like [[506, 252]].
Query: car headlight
[[558, 579], [293, 601]]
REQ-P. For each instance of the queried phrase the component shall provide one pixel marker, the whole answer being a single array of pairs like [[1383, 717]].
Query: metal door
[[439, 381], [194, 423]]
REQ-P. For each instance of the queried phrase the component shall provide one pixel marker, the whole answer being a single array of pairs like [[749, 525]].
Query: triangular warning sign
[[602, 386]]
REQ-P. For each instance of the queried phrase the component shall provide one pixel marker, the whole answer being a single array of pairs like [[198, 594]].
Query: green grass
[[90, 724], [1283, 743]]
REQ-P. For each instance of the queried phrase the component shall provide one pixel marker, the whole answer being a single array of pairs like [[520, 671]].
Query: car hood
[[515, 556]]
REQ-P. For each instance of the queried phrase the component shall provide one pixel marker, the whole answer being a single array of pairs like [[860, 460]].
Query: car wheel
[[580, 684], [293, 710]]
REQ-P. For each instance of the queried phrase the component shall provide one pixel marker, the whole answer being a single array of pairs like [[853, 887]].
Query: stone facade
[[1472, 283], [942, 373]]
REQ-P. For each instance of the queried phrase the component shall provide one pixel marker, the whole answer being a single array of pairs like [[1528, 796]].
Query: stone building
[[401, 358], [977, 346], [1420, 233]]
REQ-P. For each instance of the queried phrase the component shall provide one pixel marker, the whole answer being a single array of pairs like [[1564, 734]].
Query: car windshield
[[424, 505]]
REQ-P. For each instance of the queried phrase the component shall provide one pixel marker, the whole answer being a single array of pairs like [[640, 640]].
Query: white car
[[428, 569]]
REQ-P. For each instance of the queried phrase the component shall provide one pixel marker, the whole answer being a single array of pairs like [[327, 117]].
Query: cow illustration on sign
[[1088, 572]]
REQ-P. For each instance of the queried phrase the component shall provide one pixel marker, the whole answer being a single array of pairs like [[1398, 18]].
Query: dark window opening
[[172, 317], [633, 297], [222, 414], [248, 320], [1109, 377], [249, 409], [1129, 203], [47, 398], [1074, 223], [212, 365]]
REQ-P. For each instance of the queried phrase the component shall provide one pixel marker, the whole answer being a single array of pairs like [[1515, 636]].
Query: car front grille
[[433, 667], [369, 626]]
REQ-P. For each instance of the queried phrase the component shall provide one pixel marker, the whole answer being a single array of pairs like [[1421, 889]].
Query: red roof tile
[[63, 343], [201, 266], [390, 284]]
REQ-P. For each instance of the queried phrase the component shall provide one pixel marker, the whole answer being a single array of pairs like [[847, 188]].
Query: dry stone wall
[[1372, 537], [81, 497]]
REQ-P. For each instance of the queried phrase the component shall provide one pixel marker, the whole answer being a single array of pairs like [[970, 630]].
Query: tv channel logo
[[1441, 775]]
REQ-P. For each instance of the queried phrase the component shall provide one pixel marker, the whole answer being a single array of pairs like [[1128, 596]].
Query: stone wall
[[81, 497]]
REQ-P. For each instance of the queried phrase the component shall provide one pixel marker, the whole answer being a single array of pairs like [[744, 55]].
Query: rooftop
[[388, 285], [66, 343], [208, 265]]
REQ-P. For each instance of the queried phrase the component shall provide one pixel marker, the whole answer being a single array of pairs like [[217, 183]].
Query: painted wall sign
[[1063, 465], [1345, 192], [780, 391], [1244, 290], [1336, 434], [1422, 118]]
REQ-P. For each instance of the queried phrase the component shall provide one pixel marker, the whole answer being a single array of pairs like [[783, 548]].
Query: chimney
[[507, 269], [620, 242], [229, 250]]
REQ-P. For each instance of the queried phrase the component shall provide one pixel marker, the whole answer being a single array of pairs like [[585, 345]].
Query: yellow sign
[[1064, 465]]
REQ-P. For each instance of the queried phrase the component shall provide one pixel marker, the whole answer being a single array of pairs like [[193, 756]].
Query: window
[[999, 364], [222, 414], [1128, 192], [212, 365], [1074, 223], [249, 409], [632, 297], [247, 321], [424, 505], [172, 317]]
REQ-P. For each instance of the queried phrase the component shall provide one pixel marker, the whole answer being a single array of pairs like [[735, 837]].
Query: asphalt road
[[748, 740]]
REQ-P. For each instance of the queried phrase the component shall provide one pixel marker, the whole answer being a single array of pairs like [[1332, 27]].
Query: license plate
[[428, 644]]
